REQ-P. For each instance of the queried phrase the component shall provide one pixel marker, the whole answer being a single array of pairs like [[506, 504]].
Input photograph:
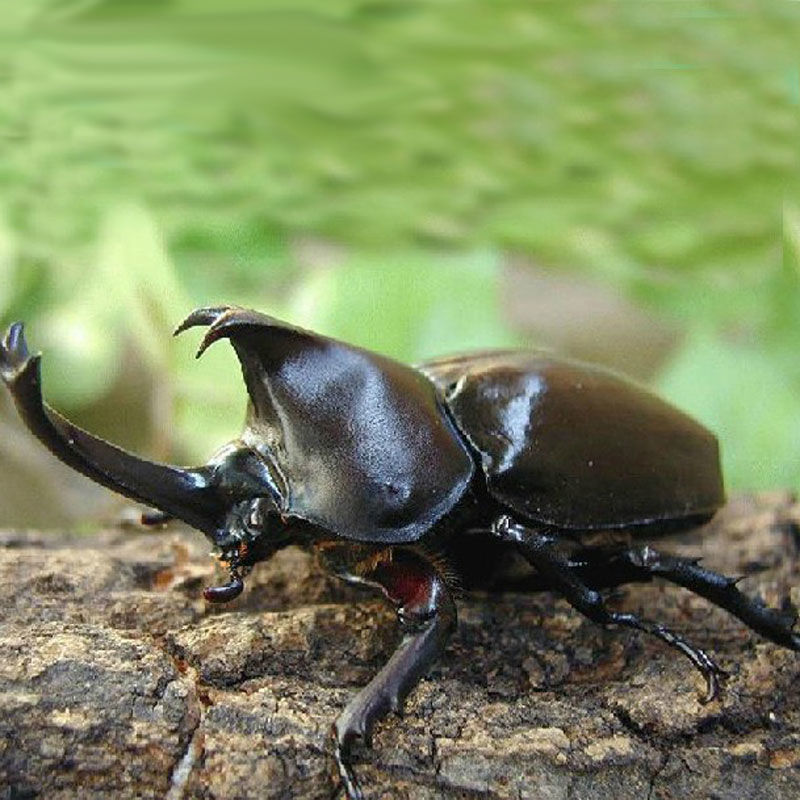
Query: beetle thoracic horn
[[212, 316], [184, 493], [227, 321]]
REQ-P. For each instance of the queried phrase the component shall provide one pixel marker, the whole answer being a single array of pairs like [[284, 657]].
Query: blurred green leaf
[[753, 408], [411, 306], [125, 295], [8, 265], [135, 283], [84, 353], [640, 142]]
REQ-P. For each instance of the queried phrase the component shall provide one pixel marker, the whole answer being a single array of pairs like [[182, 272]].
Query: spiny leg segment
[[604, 568], [543, 552], [645, 562]]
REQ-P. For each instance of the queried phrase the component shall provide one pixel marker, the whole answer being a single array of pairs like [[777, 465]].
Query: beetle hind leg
[[543, 553], [718, 589]]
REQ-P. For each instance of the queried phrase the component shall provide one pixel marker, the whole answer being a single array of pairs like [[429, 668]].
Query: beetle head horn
[[188, 493], [232, 322]]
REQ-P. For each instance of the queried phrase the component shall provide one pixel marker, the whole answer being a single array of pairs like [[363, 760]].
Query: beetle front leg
[[427, 615], [543, 553]]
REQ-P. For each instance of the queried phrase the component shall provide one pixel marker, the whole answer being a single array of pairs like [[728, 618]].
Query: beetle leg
[[427, 616], [606, 568], [542, 552], [719, 589]]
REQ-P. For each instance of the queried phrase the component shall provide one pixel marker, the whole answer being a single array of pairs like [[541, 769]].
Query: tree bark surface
[[118, 681]]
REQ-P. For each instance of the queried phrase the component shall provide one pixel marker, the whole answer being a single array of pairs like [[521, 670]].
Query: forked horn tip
[[201, 316]]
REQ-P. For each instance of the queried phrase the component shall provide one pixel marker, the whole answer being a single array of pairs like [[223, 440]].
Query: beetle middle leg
[[427, 616], [542, 551]]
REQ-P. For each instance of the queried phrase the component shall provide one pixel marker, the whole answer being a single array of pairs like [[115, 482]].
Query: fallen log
[[118, 681]]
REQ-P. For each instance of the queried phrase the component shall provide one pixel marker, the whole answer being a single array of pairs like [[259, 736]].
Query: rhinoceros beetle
[[401, 478]]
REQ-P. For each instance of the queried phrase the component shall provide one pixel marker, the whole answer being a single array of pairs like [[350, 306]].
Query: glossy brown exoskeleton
[[378, 466]]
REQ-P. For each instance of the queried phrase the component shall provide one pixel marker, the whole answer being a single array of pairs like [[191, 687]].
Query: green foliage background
[[159, 155]]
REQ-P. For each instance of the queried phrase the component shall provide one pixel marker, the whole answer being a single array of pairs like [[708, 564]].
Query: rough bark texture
[[118, 681]]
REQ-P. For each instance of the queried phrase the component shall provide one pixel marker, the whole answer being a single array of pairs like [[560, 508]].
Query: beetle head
[[252, 529]]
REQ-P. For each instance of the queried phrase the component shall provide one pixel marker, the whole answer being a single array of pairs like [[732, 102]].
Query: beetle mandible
[[390, 472]]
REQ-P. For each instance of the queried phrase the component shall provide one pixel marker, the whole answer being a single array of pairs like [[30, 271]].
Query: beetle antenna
[[227, 592]]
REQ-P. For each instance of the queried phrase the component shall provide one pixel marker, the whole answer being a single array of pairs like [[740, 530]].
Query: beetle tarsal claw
[[714, 675], [344, 776]]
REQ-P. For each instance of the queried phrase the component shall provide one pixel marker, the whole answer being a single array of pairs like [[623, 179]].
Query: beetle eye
[[255, 519]]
